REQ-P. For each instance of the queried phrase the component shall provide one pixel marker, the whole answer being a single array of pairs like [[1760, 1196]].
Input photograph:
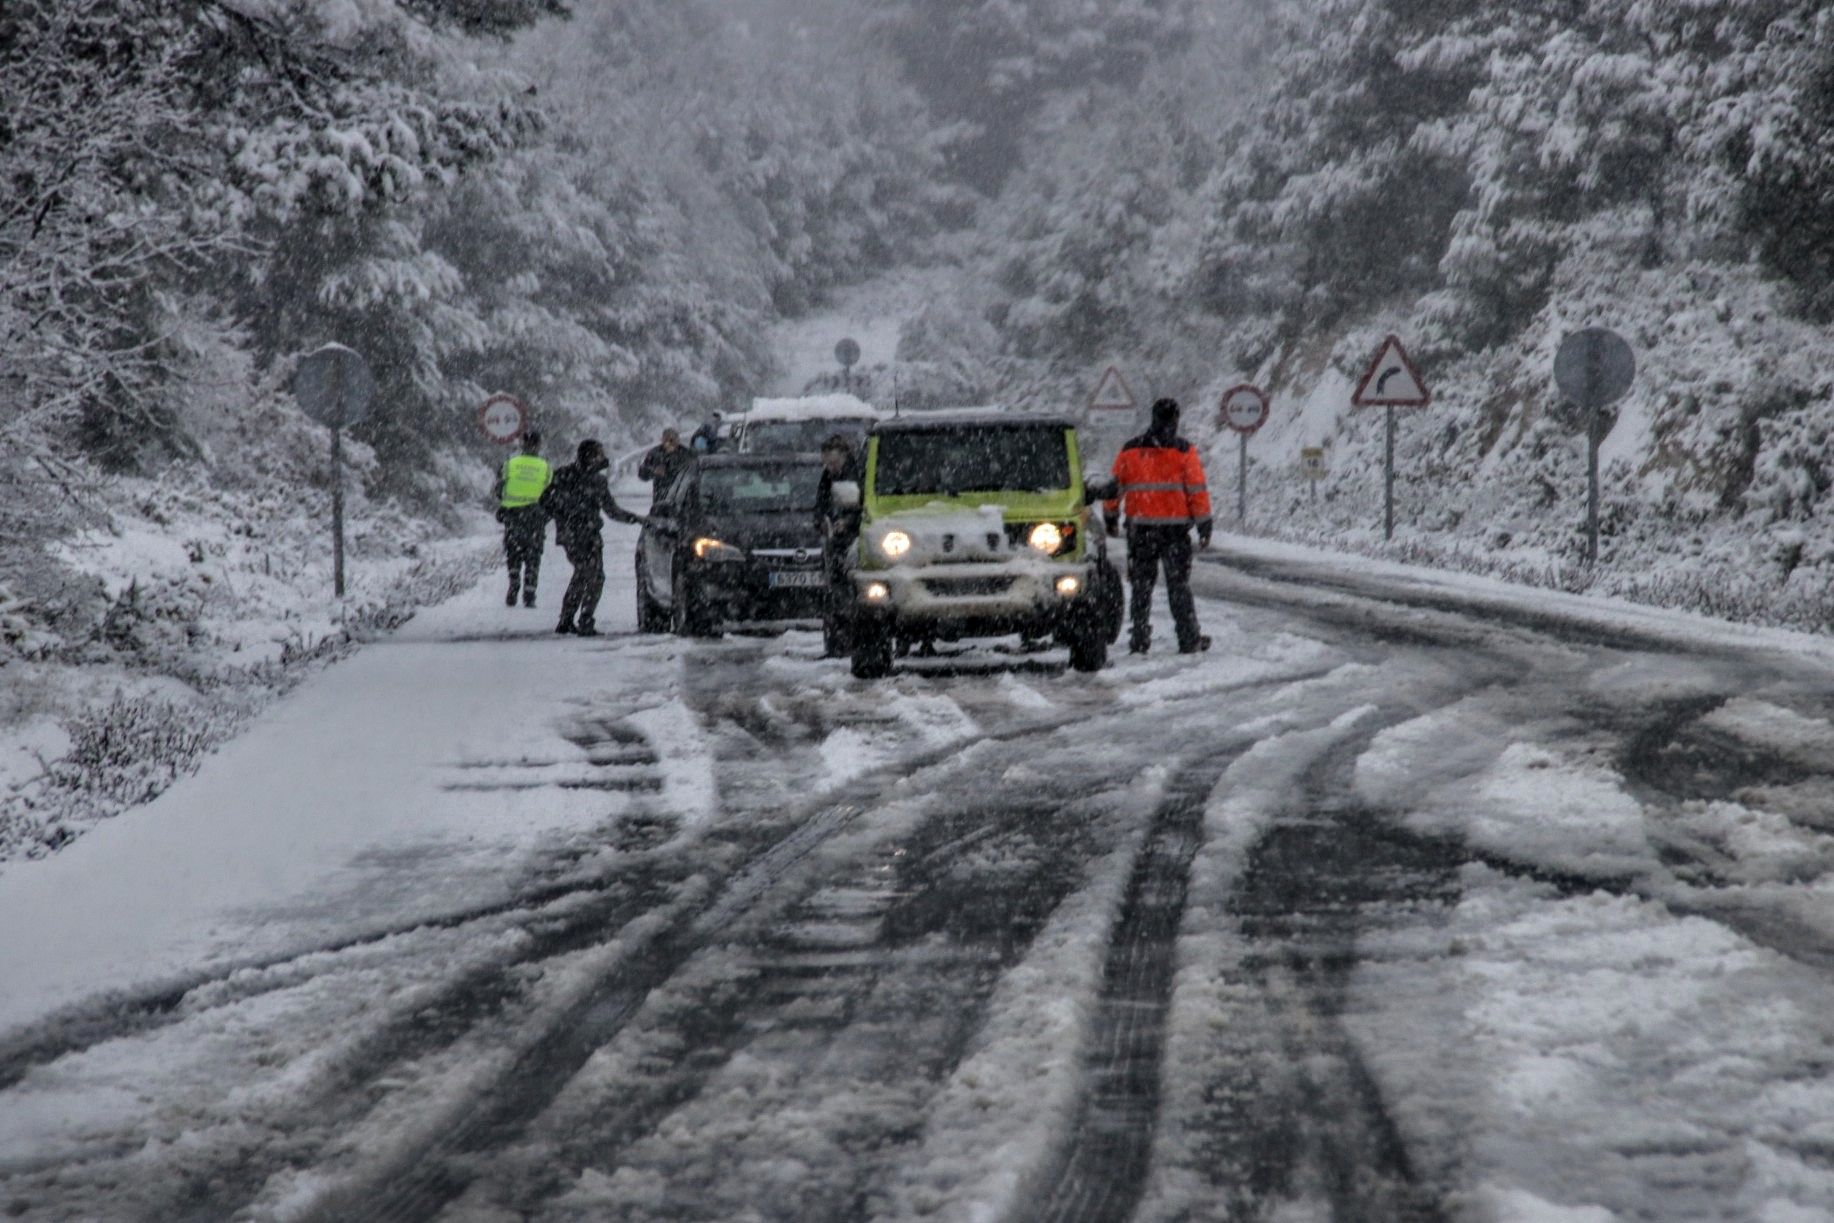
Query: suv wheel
[[686, 617], [652, 617], [1088, 641], [872, 650], [1110, 599]]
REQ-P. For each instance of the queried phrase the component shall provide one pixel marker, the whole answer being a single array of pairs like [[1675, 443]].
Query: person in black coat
[[575, 500], [840, 531], [706, 439], [662, 464]]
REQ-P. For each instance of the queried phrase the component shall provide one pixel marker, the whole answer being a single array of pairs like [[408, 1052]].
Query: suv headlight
[[708, 549], [1052, 538], [894, 544]]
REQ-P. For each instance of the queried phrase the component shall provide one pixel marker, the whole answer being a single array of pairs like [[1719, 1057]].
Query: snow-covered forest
[[604, 206]]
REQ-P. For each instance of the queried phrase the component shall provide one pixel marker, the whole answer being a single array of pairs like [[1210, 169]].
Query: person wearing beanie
[[575, 499], [1160, 487]]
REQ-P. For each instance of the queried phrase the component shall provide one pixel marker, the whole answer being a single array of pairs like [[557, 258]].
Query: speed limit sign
[[503, 418], [1244, 408]]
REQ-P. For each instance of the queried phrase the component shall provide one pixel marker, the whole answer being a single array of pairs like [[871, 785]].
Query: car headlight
[[894, 544], [1047, 537], [707, 549]]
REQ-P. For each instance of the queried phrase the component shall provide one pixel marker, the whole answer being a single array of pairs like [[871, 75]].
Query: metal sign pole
[[1388, 481], [1594, 368], [337, 483], [1594, 387], [1241, 484], [337, 511]]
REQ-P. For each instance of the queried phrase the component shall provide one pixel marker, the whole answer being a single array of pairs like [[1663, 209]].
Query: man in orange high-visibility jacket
[[1162, 490]]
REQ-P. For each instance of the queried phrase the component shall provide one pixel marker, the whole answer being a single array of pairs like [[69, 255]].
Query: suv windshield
[[759, 490], [776, 436], [972, 459]]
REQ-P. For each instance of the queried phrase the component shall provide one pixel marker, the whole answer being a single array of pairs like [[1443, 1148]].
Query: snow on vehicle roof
[[811, 407]]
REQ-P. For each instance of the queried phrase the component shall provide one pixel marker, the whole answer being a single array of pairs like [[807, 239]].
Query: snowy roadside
[[156, 637]]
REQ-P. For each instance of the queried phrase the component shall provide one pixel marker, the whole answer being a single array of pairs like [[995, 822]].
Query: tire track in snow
[[1101, 1174], [426, 1175], [1298, 1117]]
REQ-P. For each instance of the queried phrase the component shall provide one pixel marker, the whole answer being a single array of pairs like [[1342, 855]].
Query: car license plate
[[797, 577]]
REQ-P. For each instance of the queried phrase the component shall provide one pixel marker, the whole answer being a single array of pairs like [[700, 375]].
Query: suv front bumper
[[975, 599]]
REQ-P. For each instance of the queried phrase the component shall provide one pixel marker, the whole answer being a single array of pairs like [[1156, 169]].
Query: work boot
[[1195, 647], [510, 599], [528, 599], [564, 628], [585, 630], [1139, 641]]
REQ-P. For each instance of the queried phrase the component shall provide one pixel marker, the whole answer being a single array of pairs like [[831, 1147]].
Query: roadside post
[[335, 388], [503, 419], [1594, 369], [1244, 409], [1312, 467], [1391, 382], [847, 353]]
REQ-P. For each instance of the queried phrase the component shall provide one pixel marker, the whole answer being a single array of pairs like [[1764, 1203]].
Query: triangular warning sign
[[1392, 381], [1111, 393]]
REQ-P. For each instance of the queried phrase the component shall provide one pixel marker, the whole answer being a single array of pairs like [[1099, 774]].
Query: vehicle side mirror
[[845, 494], [1100, 488]]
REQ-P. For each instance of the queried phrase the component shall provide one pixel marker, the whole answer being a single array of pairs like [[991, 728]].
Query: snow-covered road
[[1417, 898]]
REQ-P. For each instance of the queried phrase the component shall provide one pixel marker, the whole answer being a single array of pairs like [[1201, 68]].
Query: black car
[[734, 541]]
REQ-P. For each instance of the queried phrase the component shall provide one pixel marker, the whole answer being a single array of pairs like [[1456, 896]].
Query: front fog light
[[1067, 586], [877, 592], [1047, 537]]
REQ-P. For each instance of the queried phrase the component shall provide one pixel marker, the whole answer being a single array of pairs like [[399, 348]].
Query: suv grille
[[959, 587]]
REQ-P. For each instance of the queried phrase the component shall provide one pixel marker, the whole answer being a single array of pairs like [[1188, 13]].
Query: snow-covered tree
[[990, 64]]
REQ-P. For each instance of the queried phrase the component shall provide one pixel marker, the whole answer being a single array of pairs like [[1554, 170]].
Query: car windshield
[[759, 490], [778, 436], [977, 458]]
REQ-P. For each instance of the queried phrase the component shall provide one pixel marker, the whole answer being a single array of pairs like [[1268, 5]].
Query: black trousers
[[579, 607], [524, 532], [1147, 549], [837, 604]]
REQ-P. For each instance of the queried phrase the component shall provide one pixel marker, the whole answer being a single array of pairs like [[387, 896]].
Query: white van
[[775, 426]]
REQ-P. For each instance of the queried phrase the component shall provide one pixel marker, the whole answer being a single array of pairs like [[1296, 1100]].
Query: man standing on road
[[524, 478], [662, 464], [706, 439], [1161, 487], [575, 499], [840, 530]]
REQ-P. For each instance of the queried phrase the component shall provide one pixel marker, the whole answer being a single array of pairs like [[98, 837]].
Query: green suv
[[977, 524]]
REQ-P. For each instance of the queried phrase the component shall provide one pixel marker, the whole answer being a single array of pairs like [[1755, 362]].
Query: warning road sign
[[1391, 380], [1112, 393]]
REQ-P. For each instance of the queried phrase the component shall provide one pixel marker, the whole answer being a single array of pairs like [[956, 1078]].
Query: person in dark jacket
[[706, 439], [662, 464], [1161, 485], [575, 499], [840, 530]]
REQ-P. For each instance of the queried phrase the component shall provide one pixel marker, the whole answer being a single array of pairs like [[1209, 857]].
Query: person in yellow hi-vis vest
[[525, 477]]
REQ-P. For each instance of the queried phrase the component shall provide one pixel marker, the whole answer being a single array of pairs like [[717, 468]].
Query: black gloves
[[1203, 535]]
